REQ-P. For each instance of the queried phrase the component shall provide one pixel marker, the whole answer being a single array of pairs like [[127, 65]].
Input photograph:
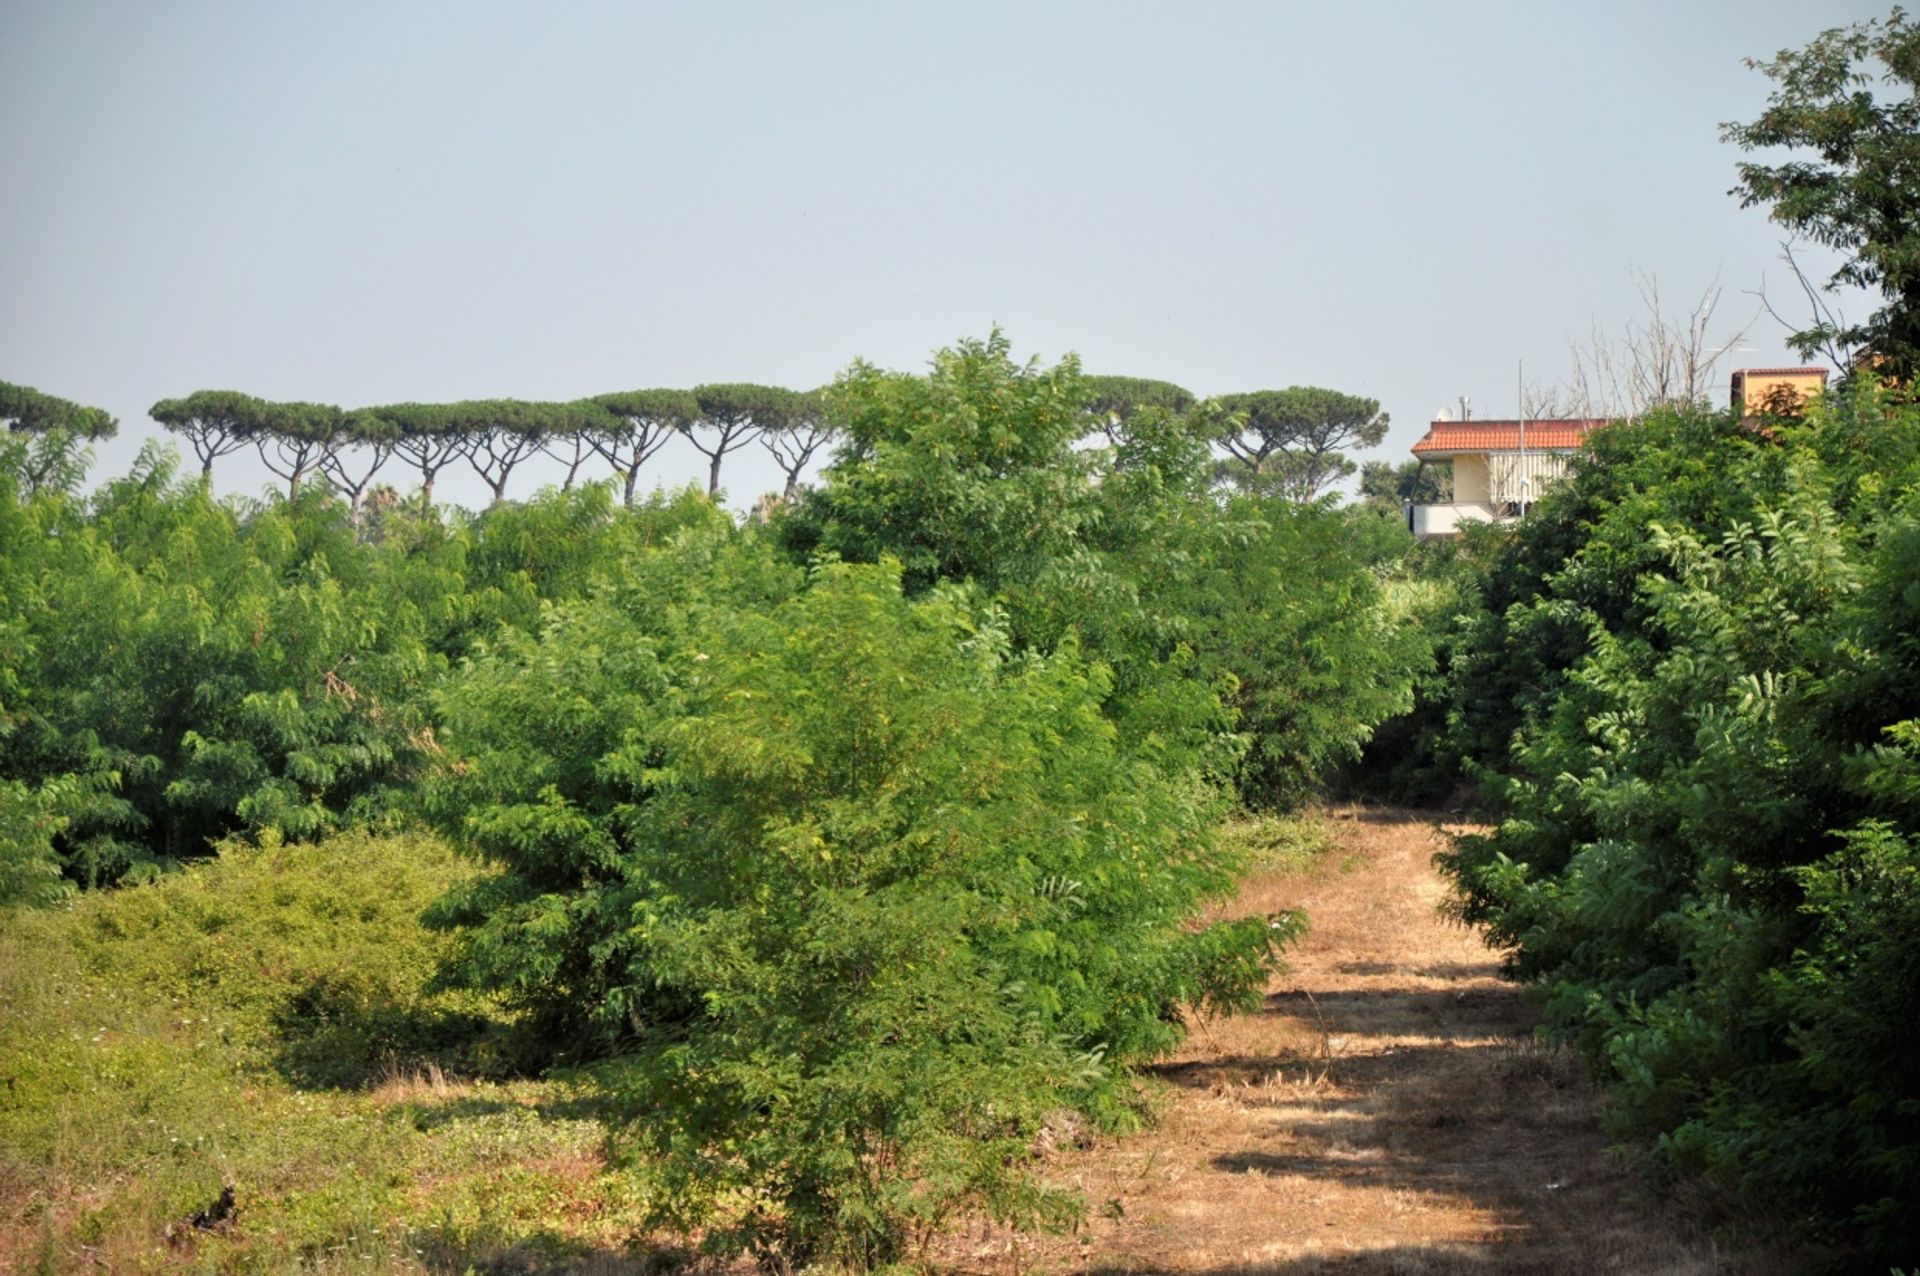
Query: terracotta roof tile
[[1502, 436]]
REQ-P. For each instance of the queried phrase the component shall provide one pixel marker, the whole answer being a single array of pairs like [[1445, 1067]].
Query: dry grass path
[[1386, 1111]]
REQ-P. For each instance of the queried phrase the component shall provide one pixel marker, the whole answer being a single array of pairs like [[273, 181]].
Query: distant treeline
[[1288, 441]]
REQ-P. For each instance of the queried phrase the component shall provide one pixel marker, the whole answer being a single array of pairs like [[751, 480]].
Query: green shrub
[[1711, 803], [861, 894], [971, 474]]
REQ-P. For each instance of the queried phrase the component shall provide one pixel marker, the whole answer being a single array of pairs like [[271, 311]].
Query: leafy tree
[[863, 893], [1394, 485], [971, 473], [733, 415], [1858, 188], [966, 473], [182, 673], [1291, 440], [638, 424], [1277, 604], [30, 819]]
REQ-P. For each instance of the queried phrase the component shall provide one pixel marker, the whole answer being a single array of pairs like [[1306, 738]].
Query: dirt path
[[1387, 1111]]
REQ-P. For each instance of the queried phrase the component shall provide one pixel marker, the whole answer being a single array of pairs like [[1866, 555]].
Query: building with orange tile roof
[[1499, 467]]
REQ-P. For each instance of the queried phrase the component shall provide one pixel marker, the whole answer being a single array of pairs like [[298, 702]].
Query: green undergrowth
[[1279, 845], [261, 1020], [264, 1020]]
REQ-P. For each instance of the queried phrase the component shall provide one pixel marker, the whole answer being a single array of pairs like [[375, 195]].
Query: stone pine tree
[[1113, 401], [366, 445], [215, 423], [794, 442], [500, 434], [635, 424], [296, 439], [1846, 110], [50, 435], [1292, 442], [732, 415], [25, 410], [425, 435], [1384, 484]]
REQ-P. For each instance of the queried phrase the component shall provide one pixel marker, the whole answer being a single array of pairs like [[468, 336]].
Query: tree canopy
[[1291, 441], [30, 411], [1849, 104], [732, 415], [215, 423], [636, 424]]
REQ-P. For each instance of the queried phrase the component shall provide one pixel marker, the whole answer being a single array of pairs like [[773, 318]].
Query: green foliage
[[259, 1020], [1711, 807], [1857, 192], [177, 669], [1290, 442], [1421, 482], [1280, 603], [1434, 591], [866, 836], [967, 473], [25, 410], [971, 474], [30, 818], [1583, 551], [310, 960], [865, 894], [191, 673], [733, 415]]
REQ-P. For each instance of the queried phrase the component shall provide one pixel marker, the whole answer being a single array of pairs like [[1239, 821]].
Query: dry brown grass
[[1387, 1111], [417, 1085]]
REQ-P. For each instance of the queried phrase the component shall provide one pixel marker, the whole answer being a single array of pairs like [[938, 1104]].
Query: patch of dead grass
[[417, 1085]]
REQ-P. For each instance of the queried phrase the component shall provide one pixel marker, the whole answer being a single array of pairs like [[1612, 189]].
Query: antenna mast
[[1520, 394]]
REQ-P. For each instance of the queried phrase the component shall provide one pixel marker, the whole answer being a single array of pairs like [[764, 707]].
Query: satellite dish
[[1444, 414]]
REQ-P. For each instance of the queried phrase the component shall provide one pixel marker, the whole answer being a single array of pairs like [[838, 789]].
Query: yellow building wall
[[1756, 392], [1472, 481]]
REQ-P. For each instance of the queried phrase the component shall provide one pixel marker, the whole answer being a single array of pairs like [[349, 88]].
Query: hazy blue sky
[[362, 203]]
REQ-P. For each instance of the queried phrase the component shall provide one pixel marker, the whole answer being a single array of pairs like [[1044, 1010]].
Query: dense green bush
[[972, 473], [179, 670], [1711, 817], [862, 893], [175, 668]]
